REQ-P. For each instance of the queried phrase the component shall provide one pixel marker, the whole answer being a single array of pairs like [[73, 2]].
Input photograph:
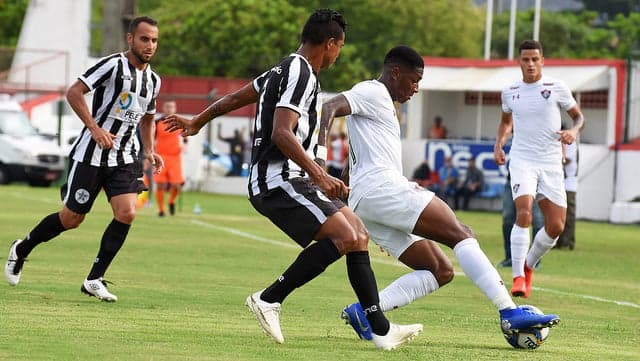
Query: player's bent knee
[[554, 229], [467, 232], [523, 218], [70, 219], [444, 274], [126, 216], [352, 244]]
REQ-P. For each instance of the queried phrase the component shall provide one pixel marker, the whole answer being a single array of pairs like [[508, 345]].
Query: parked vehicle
[[26, 154]]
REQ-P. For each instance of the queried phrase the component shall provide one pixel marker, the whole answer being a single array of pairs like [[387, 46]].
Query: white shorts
[[539, 183], [390, 213]]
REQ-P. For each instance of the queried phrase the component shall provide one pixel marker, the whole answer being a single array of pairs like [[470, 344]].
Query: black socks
[[48, 228], [364, 284], [112, 240], [311, 262]]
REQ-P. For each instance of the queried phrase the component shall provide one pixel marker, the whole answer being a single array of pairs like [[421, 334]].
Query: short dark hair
[[530, 45], [141, 19], [323, 24], [405, 56]]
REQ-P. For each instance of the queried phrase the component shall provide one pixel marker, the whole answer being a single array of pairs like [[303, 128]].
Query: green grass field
[[182, 282]]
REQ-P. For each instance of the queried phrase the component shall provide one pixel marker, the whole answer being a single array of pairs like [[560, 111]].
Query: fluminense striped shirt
[[123, 94], [290, 84]]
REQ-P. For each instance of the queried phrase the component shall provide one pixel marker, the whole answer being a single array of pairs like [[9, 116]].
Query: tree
[[239, 39], [612, 7], [11, 17], [627, 30], [563, 34], [243, 38]]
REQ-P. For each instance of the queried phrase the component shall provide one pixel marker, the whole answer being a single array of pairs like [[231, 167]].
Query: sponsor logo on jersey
[[125, 100], [515, 188], [125, 77], [131, 116]]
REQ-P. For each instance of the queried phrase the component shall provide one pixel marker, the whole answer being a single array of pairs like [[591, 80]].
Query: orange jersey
[[167, 143], [171, 172]]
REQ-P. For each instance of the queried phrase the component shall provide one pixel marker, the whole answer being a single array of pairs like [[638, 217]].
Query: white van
[[26, 154]]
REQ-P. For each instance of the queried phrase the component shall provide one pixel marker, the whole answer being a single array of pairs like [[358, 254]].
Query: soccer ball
[[531, 338]]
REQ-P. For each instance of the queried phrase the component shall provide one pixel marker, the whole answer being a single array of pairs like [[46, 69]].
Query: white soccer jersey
[[375, 149], [536, 120]]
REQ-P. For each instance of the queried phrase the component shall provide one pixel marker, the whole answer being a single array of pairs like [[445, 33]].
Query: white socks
[[479, 269], [542, 243], [407, 289], [519, 248]]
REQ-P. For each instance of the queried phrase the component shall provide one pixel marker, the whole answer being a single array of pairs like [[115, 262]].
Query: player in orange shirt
[[170, 146]]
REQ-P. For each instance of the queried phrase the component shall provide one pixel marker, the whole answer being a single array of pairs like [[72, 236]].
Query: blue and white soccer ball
[[531, 338]]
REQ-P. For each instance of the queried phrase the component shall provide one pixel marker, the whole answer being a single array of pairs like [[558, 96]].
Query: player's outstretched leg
[[267, 314]]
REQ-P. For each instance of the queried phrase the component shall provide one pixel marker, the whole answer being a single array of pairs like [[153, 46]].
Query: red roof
[[192, 94]]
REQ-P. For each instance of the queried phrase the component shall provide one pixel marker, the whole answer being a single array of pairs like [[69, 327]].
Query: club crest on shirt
[[546, 93]]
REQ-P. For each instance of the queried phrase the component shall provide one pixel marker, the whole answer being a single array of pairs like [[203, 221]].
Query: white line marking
[[34, 199], [396, 263], [594, 298]]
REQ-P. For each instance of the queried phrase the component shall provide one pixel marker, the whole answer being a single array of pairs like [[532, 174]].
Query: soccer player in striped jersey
[[531, 109], [394, 209], [293, 191], [106, 154]]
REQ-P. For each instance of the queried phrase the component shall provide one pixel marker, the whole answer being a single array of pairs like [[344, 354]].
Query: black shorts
[[298, 208], [85, 181]]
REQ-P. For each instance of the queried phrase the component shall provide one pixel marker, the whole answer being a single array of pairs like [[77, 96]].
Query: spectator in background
[[422, 175], [509, 218], [236, 150], [248, 144], [473, 182], [337, 155], [170, 146], [437, 131], [448, 180], [567, 238]]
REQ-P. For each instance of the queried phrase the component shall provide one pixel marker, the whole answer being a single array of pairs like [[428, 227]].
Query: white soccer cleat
[[98, 289], [13, 267], [267, 314], [397, 335]]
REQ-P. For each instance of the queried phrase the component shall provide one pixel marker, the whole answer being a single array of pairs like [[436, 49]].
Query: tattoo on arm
[[215, 109]]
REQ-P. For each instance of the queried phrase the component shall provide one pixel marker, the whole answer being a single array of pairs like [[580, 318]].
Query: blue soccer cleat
[[521, 318], [354, 316]]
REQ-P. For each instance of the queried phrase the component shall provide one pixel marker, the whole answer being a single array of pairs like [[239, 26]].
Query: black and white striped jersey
[[291, 84], [123, 94]]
